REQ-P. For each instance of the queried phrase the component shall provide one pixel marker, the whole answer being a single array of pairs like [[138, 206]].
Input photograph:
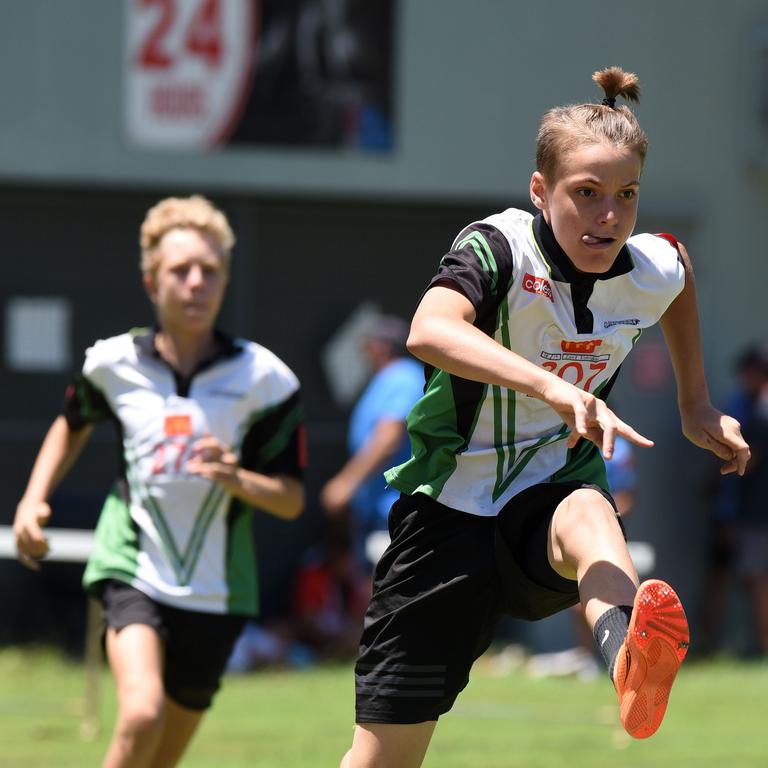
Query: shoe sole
[[656, 644]]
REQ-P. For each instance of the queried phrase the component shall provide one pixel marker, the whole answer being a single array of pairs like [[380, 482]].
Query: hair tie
[[609, 101]]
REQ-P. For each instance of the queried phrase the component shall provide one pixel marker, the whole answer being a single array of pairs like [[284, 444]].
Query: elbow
[[419, 341], [295, 503]]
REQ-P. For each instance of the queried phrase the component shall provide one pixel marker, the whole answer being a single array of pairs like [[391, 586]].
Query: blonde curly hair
[[195, 212]]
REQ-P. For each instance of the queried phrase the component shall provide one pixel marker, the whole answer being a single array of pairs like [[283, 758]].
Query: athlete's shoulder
[[267, 371], [105, 353], [491, 247], [512, 220], [656, 253], [661, 248], [510, 223]]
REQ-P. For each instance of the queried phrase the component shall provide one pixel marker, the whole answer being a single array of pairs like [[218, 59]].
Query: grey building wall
[[472, 82]]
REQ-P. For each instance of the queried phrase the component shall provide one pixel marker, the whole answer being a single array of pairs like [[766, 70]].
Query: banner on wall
[[205, 74]]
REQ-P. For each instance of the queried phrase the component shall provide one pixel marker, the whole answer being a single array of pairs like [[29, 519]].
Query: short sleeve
[[479, 265], [275, 442], [84, 403]]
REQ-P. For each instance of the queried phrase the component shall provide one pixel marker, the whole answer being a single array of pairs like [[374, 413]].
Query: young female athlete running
[[504, 505], [210, 428]]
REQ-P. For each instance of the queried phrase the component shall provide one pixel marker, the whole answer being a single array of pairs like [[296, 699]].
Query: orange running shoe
[[648, 660]]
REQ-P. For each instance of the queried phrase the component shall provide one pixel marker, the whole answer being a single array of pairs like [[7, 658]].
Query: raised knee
[[582, 520], [586, 508], [141, 720]]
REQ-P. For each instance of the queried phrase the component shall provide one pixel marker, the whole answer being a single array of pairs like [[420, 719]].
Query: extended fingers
[[580, 419], [609, 437], [633, 435], [613, 426]]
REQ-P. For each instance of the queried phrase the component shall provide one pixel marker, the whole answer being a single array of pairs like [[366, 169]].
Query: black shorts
[[197, 645], [439, 592]]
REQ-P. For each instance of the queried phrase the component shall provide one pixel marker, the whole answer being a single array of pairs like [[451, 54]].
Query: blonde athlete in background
[[210, 428], [505, 506]]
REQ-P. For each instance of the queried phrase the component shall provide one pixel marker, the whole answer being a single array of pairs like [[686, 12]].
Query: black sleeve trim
[[275, 442], [479, 266], [85, 404]]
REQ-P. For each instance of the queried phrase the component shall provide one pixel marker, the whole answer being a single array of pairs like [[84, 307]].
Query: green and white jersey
[[475, 446], [175, 536]]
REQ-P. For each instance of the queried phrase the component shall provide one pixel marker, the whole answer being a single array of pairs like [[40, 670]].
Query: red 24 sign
[[203, 37], [188, 68]]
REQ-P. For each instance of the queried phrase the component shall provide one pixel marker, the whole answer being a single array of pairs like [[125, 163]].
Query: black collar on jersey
[[562, 267], [226, 347], [564, 271]]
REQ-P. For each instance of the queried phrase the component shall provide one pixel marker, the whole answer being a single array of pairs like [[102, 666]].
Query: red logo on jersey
[[582, 347], [180, 424], [534, 284]]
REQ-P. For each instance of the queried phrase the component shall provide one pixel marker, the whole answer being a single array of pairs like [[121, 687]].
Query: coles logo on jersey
[[535, 284], [178, 424]]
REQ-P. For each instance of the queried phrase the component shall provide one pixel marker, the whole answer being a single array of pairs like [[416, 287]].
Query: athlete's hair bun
[[616, 82]]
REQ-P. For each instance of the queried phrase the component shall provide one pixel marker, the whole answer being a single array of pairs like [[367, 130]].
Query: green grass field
[[303, 719]]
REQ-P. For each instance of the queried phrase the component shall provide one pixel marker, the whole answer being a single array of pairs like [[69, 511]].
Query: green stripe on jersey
[[524, 457], [503, 428], [276, 445], [202, 524], [116, 545], [183, 563], [435, 441], [485, 255], [242, 574], [583, 463]]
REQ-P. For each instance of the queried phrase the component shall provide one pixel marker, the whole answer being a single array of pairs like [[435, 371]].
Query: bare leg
[[179, 726], [380, 745], [586, 544], [136, 657]]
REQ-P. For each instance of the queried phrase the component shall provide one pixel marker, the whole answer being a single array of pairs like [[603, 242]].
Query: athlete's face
[[188, 285], [591, 204]]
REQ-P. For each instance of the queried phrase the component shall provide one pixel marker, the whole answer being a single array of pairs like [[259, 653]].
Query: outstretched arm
[[442, 334], [702, 423], [59, 451]]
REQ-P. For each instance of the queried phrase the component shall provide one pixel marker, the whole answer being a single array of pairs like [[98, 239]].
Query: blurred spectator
[[328, 602], [740, 518], [377, 436], [752, 560]]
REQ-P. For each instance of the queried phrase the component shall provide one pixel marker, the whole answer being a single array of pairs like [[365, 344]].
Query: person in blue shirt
[[377, 437]]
